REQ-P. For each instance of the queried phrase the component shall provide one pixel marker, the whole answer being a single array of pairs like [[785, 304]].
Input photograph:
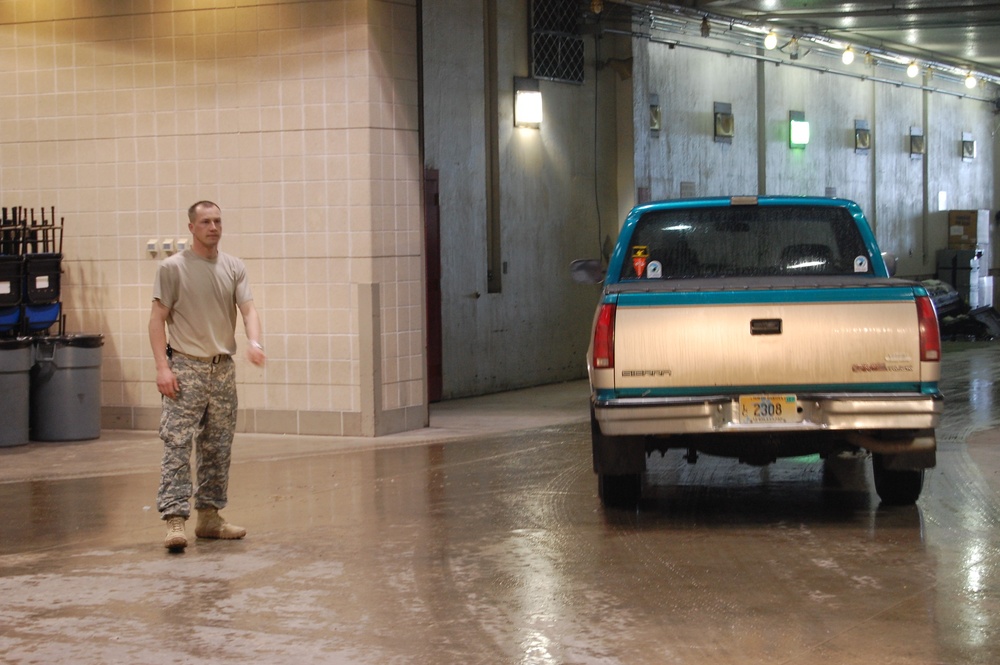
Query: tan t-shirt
[[202, 296]]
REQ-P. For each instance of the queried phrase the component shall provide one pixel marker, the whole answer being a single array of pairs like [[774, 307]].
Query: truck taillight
[[930, 334], [604, 338]]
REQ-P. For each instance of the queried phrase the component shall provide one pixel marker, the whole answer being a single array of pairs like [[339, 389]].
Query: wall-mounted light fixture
[[917, 146], [913, 69], [968, 147], [848, 56], [798, 129], [771, 41], [971, 81], [654, 113], [862, 137], [724, 122], [527, 103], [793, 49]]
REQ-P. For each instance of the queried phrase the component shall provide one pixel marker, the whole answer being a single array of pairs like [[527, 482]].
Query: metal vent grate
[[556, 51]]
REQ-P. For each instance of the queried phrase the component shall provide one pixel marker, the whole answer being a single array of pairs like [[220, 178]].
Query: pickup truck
[[759, 328]]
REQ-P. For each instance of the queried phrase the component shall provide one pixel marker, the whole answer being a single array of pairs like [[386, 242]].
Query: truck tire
[[619, 463], [896, 487], [619, 491]]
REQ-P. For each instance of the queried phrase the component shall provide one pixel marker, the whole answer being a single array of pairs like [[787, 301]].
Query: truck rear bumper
[[652, 416]]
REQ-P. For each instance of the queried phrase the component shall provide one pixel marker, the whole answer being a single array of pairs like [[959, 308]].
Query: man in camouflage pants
[[196, 296]]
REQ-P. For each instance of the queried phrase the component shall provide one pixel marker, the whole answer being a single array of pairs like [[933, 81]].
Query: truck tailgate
[[767, 345]]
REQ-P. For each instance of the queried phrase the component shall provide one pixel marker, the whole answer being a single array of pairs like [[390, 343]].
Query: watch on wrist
[[255, 344]]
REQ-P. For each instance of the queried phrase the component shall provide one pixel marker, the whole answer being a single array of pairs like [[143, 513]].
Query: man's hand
[[166, 382], [255, 354]]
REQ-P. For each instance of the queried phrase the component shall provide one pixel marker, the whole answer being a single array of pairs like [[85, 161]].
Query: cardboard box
[[968, 228]]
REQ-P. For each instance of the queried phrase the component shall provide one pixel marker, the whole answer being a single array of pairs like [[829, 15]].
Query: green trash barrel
[[66, 388], [15, 378]]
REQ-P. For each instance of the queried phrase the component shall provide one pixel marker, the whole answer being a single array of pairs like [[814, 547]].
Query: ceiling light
[[771, 40], [913, 69], [848, 56], [970, 81]]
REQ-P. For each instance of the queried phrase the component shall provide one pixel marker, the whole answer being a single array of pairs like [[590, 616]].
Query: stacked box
[[968, 228]]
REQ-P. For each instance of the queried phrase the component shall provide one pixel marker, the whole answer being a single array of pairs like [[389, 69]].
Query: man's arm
[[251, 323], [166, 382]]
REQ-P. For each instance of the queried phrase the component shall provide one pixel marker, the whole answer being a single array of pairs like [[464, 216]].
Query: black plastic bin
[[15, 378], [11, 271], [66, 388], [42, 276]]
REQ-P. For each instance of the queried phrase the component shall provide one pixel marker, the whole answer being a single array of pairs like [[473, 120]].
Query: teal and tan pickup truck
[[759, 328]]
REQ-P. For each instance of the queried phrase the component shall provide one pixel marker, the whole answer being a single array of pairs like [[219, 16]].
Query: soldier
[[195, 295]]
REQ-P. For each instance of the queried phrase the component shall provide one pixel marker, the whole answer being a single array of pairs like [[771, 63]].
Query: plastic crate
[[40, 317], [42, 278], [10, 318], [11, 271]]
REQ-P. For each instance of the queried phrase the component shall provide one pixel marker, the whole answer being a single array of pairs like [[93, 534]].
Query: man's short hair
[[193, 210]]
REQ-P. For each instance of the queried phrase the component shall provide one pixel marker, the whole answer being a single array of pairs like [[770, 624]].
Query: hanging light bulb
[[913, 69], [848, 56], [771, 41], [706, 29], [970, 81]]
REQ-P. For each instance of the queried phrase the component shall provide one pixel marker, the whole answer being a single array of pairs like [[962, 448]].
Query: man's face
[[207, 226]]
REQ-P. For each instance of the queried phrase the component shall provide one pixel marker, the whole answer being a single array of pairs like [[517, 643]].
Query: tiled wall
[[300, 119]]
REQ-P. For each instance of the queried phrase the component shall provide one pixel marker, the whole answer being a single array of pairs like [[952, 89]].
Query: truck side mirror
[[890, 263], [586, 271]]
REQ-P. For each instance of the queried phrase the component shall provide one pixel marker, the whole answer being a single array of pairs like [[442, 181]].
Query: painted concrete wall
[[898, 185], [685, 150], [300, 118], [535, 330], [899, 193]]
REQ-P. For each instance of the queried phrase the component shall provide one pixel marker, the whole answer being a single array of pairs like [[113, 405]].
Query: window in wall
[[556, 49]]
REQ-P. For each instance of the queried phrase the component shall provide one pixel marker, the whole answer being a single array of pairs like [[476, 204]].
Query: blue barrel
[[15, 378], [66, 388]]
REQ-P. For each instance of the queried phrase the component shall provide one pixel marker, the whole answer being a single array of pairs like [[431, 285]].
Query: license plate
[[762, 409]]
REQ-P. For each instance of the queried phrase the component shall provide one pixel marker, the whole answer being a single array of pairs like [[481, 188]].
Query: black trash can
[[15, 378], [66, 388]]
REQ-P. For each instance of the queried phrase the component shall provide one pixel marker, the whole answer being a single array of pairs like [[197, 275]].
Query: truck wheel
[[622, 491], [619, 463], [896, 487]]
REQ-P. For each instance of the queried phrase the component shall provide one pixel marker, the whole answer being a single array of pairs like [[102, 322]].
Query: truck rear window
[[746, 241]]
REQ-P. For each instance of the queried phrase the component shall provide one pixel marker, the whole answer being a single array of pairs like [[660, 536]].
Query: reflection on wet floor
[[495, 549]]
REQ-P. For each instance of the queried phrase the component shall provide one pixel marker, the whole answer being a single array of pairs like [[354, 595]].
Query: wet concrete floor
[[481, 540]]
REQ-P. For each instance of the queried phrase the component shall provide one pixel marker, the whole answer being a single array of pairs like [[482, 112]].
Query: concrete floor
[[481, 540]]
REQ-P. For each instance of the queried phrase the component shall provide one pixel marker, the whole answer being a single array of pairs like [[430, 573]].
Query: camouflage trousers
[[202, 416]]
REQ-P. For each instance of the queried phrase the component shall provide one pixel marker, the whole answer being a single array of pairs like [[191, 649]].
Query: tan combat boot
[[176, 540], [212, 525]]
